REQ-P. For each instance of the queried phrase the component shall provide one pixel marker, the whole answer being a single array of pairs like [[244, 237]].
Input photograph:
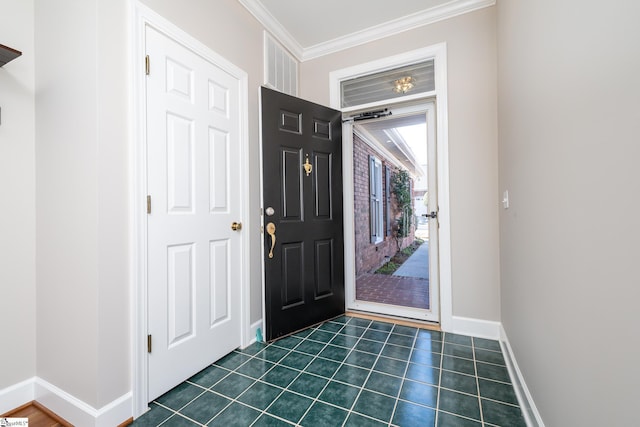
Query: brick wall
[[370, 256]]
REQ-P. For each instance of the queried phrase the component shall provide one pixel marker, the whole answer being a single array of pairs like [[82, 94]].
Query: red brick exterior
[[369, 256]]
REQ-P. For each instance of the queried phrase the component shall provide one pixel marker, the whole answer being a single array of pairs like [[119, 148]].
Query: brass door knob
[[236, 226]]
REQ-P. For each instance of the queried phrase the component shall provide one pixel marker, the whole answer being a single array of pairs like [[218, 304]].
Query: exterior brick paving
[[395, 290]]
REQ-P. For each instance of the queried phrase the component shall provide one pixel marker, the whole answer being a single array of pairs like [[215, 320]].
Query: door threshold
[[420, 324]]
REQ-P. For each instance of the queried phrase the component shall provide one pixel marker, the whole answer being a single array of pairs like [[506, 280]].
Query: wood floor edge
[[126, 423], [34, 407], [392, 319], [16, 410], [52, 414]]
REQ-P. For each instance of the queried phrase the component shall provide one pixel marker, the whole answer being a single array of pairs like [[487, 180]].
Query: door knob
[[271, 230], [236, 226]]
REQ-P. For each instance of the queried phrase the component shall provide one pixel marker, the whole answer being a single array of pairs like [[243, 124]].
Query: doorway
[[436, 96]]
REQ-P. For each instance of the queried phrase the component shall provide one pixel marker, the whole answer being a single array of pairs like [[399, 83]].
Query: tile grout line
[[475, 367], [404, 376], [441, 368]]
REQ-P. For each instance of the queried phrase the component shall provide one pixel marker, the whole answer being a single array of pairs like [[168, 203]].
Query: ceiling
[[310, 29]]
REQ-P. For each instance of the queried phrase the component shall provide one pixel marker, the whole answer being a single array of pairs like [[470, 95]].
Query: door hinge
[[146, 65], [148, 204], [148, 343]]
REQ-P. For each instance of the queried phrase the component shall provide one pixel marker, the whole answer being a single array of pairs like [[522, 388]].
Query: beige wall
[[230, 30], [569, 114], [82, 198], [17, 197], [473, 152]]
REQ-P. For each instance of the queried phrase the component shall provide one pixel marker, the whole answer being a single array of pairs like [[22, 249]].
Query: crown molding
[[273, 26], [396, 26]]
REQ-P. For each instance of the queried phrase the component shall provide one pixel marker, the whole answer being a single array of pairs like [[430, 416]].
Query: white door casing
[[193, 254]]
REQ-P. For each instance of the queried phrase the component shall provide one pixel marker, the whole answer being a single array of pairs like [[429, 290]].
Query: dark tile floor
[[395, 290], [349, 372]]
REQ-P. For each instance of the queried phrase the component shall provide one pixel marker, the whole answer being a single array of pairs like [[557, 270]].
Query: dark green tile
[[368, 346], [458, 339], [497, 391], [405, 330], [428, 345], [153, 417], [489, 356], [334, 353], [309, 385], [383, 383], [502, 415], [430, 335], [450, 420], [324, 368], [233, 360], [209, 376], [290, 406], [341, 319], [351, 375], [269, 421], [458, 350], [425, 357], [353, 331], [289, 342], [391, 366], [233, 385], [375, 405], [410, 415], [493, 372], [255, 368], [205, 407], [339, 394], [396, 351], [457, 364], [260, 395], [330, 327], [296, 360], [374, 335], [254, 348], [179, 421], [321, 336], [179, 396], [324, 415], [303, 333], [487, 344], [402, 340], [310, 347], [356, 321], [357, 420], [459, 404], [416, 392], [423, 374], [361, 359], [346, 341], [381, 326], [280, 376], [459, 382], [235, 415], [273, 354]]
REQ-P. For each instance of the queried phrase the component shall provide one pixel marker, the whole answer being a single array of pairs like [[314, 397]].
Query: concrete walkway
[[417, 265]]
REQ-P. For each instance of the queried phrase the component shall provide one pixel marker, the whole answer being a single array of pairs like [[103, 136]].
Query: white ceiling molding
[[409, 22], [273, 26]]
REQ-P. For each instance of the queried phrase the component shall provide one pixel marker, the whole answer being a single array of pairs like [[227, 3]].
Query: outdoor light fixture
[[404, 84]]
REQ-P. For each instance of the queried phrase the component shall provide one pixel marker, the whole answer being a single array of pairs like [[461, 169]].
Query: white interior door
[[194, 256]]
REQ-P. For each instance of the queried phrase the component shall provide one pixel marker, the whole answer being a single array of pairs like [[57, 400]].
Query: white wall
[[82, 198], [17, 197], [473, 151], [569, 115]]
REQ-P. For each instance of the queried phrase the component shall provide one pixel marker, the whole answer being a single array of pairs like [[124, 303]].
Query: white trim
[[17, 395], [254, 330], [529, 410], [437, 52], [475, 327], [399, 25], [143, 17]]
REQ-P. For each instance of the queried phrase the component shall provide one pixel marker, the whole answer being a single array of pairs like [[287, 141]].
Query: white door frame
[[143, 17], [438, 53]]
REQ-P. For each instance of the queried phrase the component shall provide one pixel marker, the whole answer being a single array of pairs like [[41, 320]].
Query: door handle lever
[[271, 230]]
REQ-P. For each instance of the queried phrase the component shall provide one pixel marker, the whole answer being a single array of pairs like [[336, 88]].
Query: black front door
[[302, 175]]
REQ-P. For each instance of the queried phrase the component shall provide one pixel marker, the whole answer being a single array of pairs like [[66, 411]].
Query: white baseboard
[[17, 395], [529, 409], [476, 327], [254, 329], [65, 405]]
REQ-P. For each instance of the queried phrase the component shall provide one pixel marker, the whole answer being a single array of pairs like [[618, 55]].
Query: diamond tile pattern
[[349, 372]]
